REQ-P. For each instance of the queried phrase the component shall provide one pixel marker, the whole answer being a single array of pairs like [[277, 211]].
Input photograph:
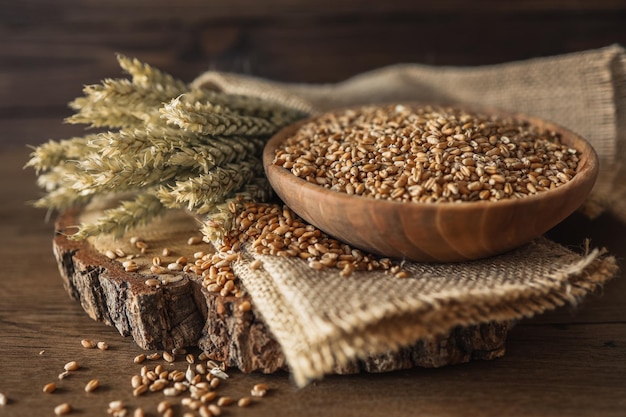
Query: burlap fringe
[[393, 333], [374, 331]]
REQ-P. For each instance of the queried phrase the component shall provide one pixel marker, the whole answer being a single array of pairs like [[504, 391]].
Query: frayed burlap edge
[[374, 332]]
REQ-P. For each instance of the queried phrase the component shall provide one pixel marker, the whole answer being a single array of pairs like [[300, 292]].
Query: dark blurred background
[[50, 49]]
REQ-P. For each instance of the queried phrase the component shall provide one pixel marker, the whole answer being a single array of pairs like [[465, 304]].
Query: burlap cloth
[[323, 320]]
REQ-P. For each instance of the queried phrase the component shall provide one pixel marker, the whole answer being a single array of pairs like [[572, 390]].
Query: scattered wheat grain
[[71, 366], [225, 401], [214, 409], [87, 344], [244, 402], [62, 409], [49, 388], [92, 385]]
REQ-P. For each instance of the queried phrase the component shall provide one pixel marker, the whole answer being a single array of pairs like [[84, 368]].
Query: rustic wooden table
[[571, 362]]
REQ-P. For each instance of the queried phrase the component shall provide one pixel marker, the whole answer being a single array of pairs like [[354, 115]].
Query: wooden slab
[[183, 313]]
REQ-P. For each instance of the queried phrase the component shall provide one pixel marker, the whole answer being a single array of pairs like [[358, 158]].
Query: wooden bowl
[[439, 232]]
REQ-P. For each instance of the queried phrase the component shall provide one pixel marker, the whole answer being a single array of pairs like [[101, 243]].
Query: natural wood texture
[[566, 363], [177, 315], [440, 232], [184, 314], [49, 51]]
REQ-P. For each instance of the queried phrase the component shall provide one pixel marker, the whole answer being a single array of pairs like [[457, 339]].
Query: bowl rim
[[588, 172]]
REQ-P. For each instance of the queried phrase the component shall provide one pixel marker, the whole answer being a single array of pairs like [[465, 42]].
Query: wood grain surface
[[50, 50], [570, 362]]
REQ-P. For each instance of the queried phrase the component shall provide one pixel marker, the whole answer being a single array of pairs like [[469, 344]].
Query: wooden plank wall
[[50, 49]]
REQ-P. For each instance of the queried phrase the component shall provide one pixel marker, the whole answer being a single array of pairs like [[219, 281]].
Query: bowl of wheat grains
[[430, 183]]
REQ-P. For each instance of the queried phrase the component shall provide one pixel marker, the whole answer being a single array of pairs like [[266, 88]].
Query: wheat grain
[[49, 388], [62, 409], [426, 154]]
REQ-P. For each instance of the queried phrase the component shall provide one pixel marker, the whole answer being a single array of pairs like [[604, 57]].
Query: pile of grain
[[427, 154]]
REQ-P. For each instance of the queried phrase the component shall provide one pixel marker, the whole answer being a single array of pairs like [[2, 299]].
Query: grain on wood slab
[[168, 357], [92, 385], [71, 366], [214, 409], [62, 409], [204, 411], [259, 390], [139, 358], [244, 402], [116, 405], [171, 392], [87, 344], [163, 406], [225, 401], [140, 390], [194, 240], [49, 388]]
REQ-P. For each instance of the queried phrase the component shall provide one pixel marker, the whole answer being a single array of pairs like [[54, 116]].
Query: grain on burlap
[[323, 320]]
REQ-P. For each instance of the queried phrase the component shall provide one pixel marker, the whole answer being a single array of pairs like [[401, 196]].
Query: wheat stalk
[[169, 145]]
